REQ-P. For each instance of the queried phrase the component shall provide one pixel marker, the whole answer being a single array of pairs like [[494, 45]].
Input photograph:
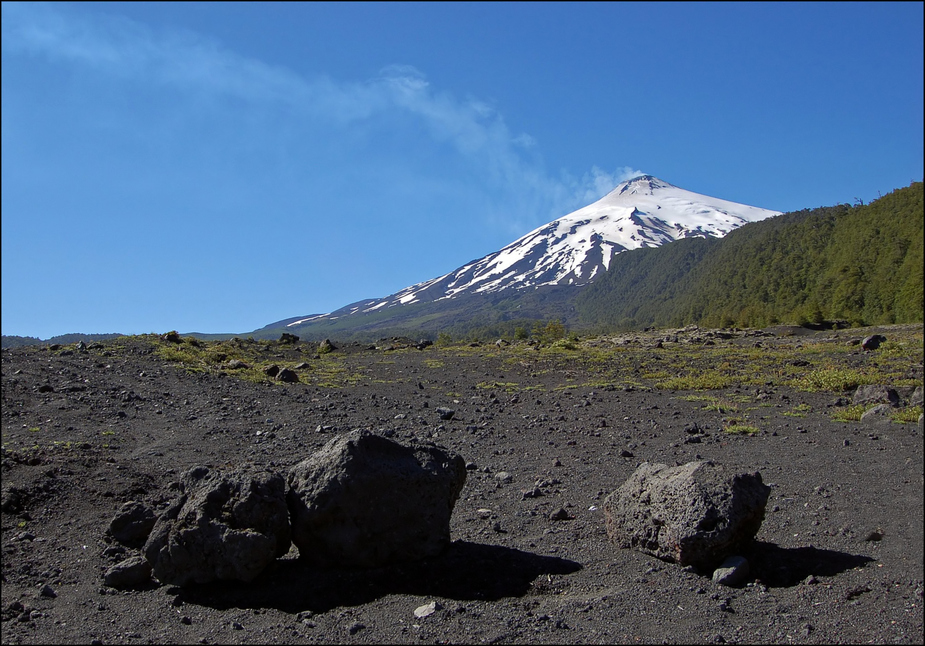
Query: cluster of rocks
[[366, 501], [361, 501]]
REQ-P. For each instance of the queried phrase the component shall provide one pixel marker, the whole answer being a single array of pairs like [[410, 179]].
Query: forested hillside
[[858, 263]]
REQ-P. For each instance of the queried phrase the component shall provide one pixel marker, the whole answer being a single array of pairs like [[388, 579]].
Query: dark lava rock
[[694, 514], [364, 500], [224, 526], [132, 523], [134, 572]]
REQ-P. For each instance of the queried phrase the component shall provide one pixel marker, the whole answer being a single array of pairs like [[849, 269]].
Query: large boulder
[[365, 501], [224, 526], [695, 514]]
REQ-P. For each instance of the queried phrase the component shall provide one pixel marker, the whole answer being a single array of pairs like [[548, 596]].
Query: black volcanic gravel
[[85, 430]]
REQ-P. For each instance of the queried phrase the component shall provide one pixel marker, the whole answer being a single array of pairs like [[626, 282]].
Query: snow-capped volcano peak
[[641, 212], [644, 184]]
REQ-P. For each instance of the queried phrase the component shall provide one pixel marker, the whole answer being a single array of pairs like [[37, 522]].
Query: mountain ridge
[[576, 248]]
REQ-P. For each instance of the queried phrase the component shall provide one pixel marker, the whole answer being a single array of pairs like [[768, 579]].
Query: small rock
[[810, 580], [186, 620], [445, 413], [130, 573], [875, 535], [504, 476], [355, 627], [732, 572], [47, 591], [483, 513], [560, 514], [427, 609], [288, 376], [237, 626], [132, 523]]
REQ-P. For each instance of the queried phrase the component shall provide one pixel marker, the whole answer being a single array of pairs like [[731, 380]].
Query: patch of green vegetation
[[34, 429], [721, 406], [434, 363], [850, 413], [909, 415], [833, 379], [708, 380], [108, 433], [799, 411], [737, 426]]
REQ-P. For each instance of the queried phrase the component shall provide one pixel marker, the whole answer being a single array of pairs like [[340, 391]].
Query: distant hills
[[13, 341]]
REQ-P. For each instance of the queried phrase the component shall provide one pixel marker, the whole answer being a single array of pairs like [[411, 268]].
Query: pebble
[[47, 591], [355, 627]]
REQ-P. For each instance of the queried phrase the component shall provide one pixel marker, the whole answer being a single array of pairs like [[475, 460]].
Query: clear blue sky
[[216, 167]]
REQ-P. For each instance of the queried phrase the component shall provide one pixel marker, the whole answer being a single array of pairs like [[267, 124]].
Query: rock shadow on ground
[[465, 571], [784, 567]]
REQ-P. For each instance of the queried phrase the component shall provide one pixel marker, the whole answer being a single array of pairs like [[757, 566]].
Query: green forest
[[860, 264]]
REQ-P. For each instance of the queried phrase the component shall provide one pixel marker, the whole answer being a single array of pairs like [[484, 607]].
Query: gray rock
[[364, 501], [445, 413], [133, 572], [694, 514], [878, 415], [915, 399], [732, 573], [235, 364], [132, 523], [224, 526], [873, 394], [326, 346]]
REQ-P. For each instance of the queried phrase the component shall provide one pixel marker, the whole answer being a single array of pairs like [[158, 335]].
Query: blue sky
[[211, 167]]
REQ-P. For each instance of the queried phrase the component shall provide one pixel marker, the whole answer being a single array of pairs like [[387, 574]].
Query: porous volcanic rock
[[224, 526], [694, 514], [364, 501]]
